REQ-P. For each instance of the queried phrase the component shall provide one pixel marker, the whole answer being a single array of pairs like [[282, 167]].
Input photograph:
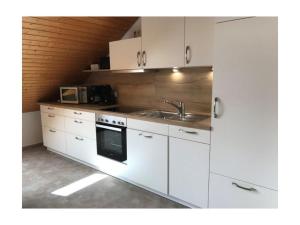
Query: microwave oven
[[95, 94]]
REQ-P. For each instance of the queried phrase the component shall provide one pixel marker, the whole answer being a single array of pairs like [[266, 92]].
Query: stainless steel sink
[[189, 117]]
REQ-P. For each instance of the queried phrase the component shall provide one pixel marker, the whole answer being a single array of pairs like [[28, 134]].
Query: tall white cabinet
[[244, 120]]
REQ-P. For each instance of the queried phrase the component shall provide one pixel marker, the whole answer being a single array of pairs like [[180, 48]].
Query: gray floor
[[45, 172]]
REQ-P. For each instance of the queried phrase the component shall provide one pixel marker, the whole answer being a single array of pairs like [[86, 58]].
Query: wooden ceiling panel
[[56, 49]]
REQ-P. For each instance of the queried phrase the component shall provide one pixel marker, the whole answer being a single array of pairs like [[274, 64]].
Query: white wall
[[31, 128]]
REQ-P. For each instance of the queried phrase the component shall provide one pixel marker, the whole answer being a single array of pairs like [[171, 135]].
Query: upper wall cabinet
[[125, 54], [162, 42], [199, 36], [166, 42]]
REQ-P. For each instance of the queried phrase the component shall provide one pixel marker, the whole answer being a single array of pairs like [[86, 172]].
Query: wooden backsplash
[[56, 49], [193, 86]]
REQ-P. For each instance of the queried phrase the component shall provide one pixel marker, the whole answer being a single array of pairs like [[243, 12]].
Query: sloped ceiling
[[56, 50]]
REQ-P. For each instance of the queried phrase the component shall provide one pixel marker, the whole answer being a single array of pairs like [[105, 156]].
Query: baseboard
[[30, 146]]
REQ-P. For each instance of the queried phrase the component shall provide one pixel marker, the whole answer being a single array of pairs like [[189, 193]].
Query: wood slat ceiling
[[56, 49]]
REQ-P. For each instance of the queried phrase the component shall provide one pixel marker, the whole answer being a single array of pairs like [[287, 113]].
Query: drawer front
[[53, 121], [54, 139], [225, 193], [147, 126], [82, 148], [80, 127], [52, 110], [80, 115], [192, 134]]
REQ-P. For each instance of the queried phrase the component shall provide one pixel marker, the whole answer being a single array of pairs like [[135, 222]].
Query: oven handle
[[109, 128]]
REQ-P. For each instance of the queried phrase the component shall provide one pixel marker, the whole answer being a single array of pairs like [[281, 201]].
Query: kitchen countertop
[[83, 107], [202, 124]]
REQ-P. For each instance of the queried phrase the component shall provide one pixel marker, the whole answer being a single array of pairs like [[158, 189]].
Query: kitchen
[[160, 108]]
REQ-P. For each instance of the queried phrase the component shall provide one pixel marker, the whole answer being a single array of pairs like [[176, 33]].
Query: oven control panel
[[109, 119]]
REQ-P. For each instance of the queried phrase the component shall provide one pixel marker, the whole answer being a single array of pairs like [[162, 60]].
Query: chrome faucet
[[179, 105]]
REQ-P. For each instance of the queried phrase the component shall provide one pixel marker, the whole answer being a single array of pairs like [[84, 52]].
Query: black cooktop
[[124, 109]]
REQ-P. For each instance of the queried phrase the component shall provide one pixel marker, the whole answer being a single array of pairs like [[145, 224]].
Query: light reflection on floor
[[78, 185]]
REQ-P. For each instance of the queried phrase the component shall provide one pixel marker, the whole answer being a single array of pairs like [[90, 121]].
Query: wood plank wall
[[146, 90], [56, 49]]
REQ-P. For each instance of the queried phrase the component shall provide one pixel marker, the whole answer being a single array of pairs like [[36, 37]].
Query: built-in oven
[[111, 137]]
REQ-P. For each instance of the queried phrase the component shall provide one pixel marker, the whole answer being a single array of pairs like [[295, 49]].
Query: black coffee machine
[[101, 94]]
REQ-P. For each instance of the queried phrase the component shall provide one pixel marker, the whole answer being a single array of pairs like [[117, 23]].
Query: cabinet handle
[[76, 121], [51, 115], [188, 132], [144, 57], [188, 54], [244, 188], [77, 113], [79, 139], [53, 131], [138, 58], [146, 136], [50, 108], [216, 100]]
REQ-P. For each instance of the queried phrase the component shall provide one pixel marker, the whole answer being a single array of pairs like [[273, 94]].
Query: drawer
[[53, 121], [80, 114], [225, 193], [80, 127], [52, 110], [147, 126], [54, 139], [191, 134], [82, 148]]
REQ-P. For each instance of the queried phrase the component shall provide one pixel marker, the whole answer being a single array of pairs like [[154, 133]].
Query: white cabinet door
[[53, 120], [54, 139], [244, 135], [147, 159], [125, 54], [80, 127], [162, 42], [199, 36], [189, 171], [82, 148], [82, 115], [229, 193], [191, 134]]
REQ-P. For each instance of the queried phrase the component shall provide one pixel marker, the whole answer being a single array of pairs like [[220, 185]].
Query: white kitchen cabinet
[[157, 128], [192, 134], [189, 171], [53, 120], [162, 42], [244, 133], [54, 139], [199, 36], [52, 110], [82, 148], [80, 127], [125, 54], [78, 114], [147, 159], [226, 192]]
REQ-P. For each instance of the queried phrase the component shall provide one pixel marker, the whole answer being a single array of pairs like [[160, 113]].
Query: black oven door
[[111, 141]]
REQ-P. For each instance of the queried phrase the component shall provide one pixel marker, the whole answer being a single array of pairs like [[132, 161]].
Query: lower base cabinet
[[230, 193], [189, 171], [82, 148], [147, 159], [54, 139]]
